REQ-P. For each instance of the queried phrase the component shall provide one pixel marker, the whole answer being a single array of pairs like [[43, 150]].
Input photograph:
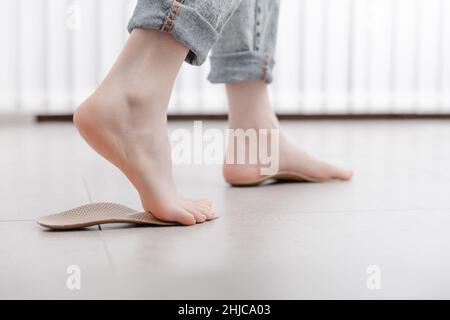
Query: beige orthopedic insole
[[282, 175], [96, 214]]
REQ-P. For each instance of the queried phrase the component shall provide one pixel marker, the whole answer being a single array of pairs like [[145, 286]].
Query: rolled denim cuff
[[184, 23], [241, 66]]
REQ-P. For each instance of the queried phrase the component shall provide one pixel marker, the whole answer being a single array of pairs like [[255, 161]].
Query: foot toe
[[185, 218], [346, 174], [208, 212], [342, 174], [334, 172], [199, 217], [194, 209]]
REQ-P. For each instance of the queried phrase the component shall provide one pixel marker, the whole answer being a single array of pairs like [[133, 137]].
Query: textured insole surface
[[96, 214]]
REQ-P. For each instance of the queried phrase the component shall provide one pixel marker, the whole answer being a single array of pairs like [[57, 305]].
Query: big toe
[[186, 218], [177, 214], [336, 172], [346, 174]]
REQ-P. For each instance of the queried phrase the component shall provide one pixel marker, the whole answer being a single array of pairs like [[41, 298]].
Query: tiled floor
[[291, 240]]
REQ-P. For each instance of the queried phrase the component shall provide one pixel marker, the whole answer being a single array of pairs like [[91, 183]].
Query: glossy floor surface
[[385, 234]]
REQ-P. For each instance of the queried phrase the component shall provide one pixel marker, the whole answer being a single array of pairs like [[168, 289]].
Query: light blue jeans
[[241, 34]]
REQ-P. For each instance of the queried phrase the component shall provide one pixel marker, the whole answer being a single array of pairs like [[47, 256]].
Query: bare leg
[[125, 121], [249, 108]]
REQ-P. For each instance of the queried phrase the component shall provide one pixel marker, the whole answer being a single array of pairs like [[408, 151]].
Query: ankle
[[249, 106], [253, 120]]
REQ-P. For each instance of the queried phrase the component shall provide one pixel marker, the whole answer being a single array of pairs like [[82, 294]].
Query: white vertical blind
[[333, 56]]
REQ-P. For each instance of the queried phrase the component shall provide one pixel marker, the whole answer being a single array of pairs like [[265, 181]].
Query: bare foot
[[250, 109], [125, 121]]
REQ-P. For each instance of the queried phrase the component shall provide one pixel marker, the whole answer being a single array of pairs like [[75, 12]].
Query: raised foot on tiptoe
[[141, 150]]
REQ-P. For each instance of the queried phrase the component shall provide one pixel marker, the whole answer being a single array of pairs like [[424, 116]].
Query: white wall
[[334, 56]]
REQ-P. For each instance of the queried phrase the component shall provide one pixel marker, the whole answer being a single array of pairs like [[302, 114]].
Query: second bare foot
[[250, 109]]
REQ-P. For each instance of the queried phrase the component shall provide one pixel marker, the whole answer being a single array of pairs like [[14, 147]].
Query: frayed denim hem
[[241, 66], [184, 23]]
